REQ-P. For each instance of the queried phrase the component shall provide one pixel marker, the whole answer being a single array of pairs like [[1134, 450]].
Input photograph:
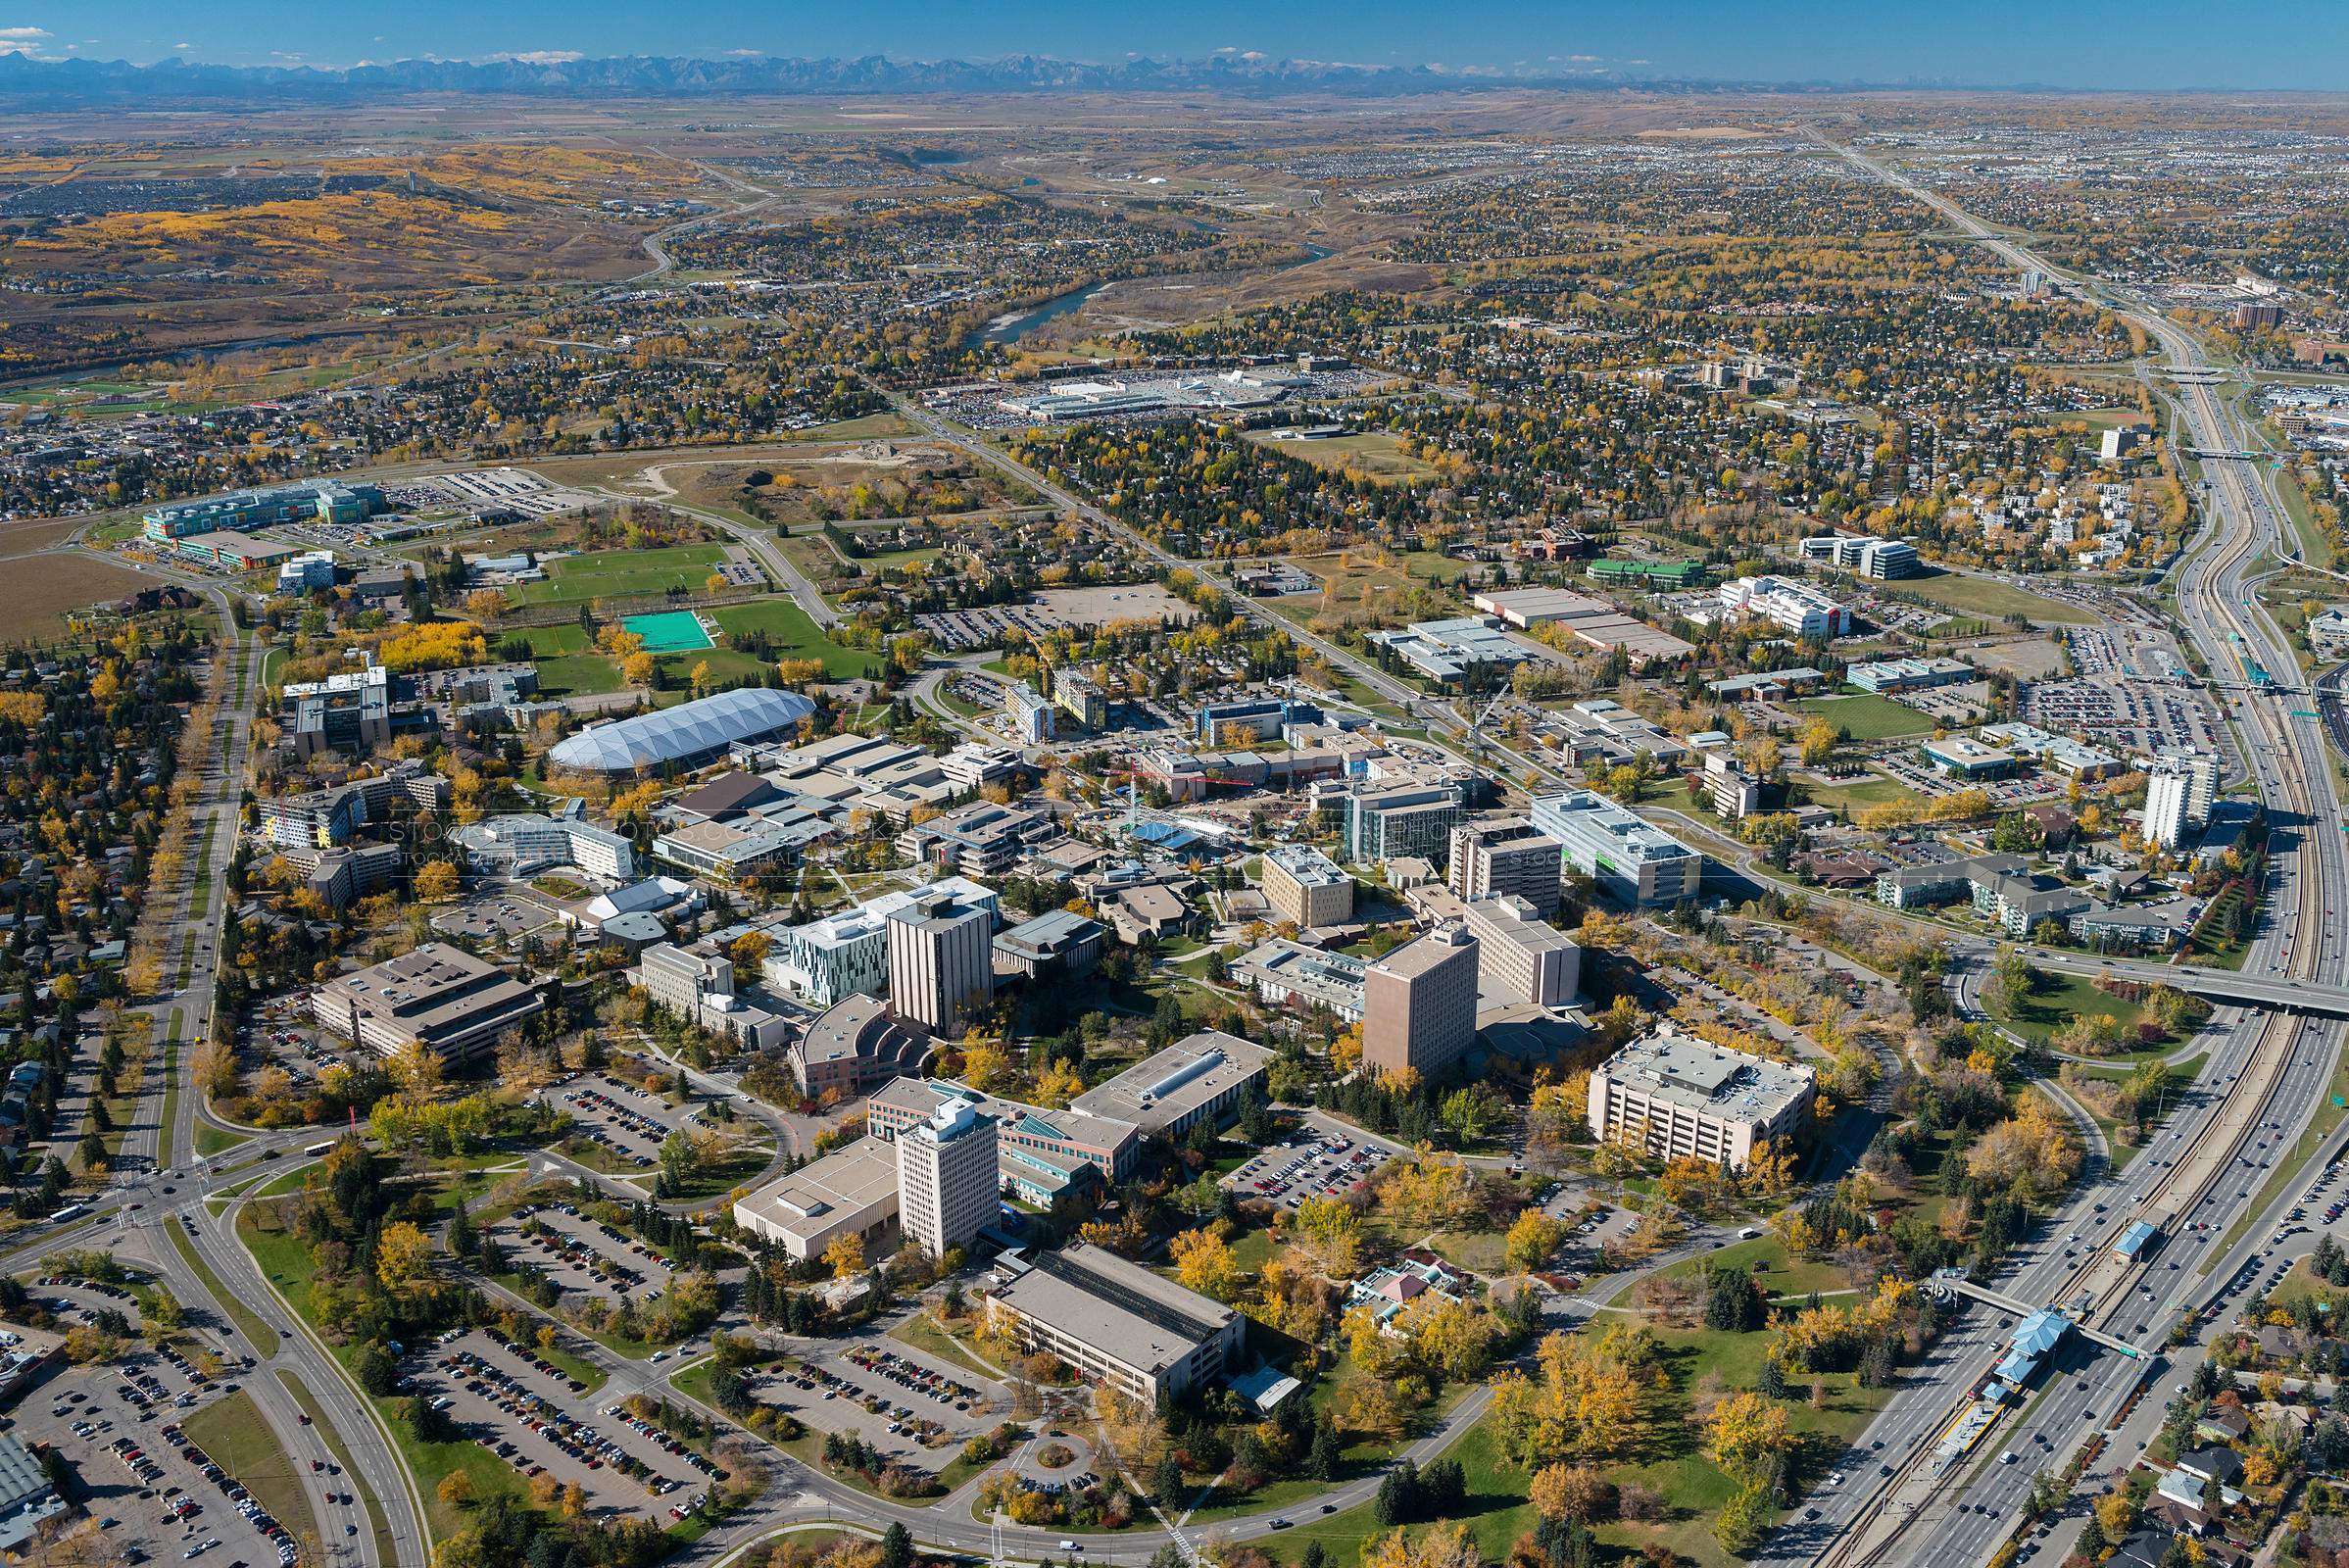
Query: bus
[[316, 1150], [71, 1212]]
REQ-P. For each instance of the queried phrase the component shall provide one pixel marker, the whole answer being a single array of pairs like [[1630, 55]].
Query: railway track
[[2105, 1280]]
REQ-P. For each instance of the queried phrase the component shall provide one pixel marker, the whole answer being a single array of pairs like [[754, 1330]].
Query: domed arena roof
[[688, 732]]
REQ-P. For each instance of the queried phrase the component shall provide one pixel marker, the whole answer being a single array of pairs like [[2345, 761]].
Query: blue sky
[[2088, 43]]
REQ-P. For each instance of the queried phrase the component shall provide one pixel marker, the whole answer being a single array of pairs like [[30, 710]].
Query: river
[[1012, 328]]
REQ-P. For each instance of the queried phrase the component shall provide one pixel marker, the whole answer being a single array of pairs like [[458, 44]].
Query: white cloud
[[752, 52], [543, 57], [22, 40]]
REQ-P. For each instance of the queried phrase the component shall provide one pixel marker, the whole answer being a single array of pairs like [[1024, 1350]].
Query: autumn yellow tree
[[485, 604], [845, 1256], [403, 1254], [1532, 1238], [1748, 1434], [436, 882], [1203, 1263]]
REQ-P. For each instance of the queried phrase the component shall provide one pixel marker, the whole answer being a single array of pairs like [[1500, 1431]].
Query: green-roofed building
[[1658, 574]]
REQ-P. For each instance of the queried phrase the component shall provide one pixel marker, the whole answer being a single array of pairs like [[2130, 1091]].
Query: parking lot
[[522, 1409], [1307, 1165], [280, 1034], [155, 1496], [908, 1406], [582, 1255], [487, 919]]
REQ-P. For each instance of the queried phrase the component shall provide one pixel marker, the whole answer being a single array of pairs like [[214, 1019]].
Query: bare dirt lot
[[36, 592]]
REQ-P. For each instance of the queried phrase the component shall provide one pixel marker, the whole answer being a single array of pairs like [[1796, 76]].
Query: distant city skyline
[[2151, 46]]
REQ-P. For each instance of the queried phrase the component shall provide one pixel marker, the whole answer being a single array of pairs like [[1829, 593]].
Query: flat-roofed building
[[1629, 859], [1520, 952], [1678, 1096], [852, 1193], [1419, 1003], [1887, 676], [1058, 942], [1031, 714], [1081, 697], [728, 851], [437, 995], [940, 958], [1400, 817], [1033, 1144], [1119, 1323], [1305, 886], [830, 959], [1289, 974], [855, 1044], [1795, 606], [946, 1179], [1201, 1077], [981, 839], [1506, 856], [1969, 759]]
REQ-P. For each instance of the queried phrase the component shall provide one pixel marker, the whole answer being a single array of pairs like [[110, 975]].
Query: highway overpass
[[2274, 991]]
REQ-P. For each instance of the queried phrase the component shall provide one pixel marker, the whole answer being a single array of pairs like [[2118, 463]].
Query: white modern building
[[830, 959], [1521, 954], [1799, 607], [1629, 858]]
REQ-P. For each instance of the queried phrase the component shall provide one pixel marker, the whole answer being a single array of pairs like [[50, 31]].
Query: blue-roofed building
[[2036, 1338], [2135, 1241]]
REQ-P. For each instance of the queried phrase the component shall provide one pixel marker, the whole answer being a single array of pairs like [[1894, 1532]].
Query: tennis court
[[673, 633]]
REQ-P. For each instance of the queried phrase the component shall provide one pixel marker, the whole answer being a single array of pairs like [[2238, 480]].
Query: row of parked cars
[[238, 1497], [907, 1375]]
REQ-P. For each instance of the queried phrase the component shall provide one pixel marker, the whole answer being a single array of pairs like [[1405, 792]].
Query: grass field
[[40, 589], [234, 1436], [2060, 998], [1868, 716], [611, 573], [577, 673], [724, 664], [1875, 790], [1981, 596], [550, 642], [796, 636], [1376, 455]]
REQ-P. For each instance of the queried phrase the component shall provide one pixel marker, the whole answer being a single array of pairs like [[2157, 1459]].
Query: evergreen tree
[[1322, 1463], [1167, 1482], [896, 1547]]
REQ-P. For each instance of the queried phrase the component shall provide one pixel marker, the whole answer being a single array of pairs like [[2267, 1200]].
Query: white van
[[1749, 1232]]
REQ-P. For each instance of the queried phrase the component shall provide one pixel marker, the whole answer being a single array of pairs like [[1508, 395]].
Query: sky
[[2151, 44]]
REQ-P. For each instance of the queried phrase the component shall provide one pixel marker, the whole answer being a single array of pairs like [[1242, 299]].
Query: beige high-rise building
[[1682, 1098], [941, 955], [947, 1178], [1419, 1003], [1521, 954], [1305, 885], [1507, 858]]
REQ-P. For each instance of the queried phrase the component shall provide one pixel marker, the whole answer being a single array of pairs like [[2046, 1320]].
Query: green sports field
[[614, 573], [796, 636]]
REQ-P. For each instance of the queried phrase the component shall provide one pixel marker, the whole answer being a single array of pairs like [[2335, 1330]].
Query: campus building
[[1119, 1323], [940, 957], [689, 736], [1305, 886], [1677, 1098], [852, 1045], [1797, 607], [1289, 974], [1059, 942], [1040, 1153], [1505, 858], [1627, 858], [1521, 954], [1419, 1003], [1401, 818], [1201, 1077], [946, 1179], [437, 995], [303, 501], [827, 961], [853, 1193]]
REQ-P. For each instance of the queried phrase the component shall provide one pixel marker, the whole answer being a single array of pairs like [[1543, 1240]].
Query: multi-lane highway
[[2269, 1071]]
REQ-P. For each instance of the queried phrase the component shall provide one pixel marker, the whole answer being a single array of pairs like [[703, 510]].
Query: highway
[[2268, 1072]]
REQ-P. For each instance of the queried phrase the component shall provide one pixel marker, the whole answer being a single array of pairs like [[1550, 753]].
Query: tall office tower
[[946, 1179], [941, 955], [1419, 1003], [1506, 856]]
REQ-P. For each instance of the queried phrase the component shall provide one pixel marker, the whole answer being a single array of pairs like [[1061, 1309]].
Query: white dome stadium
[[689, 734]]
